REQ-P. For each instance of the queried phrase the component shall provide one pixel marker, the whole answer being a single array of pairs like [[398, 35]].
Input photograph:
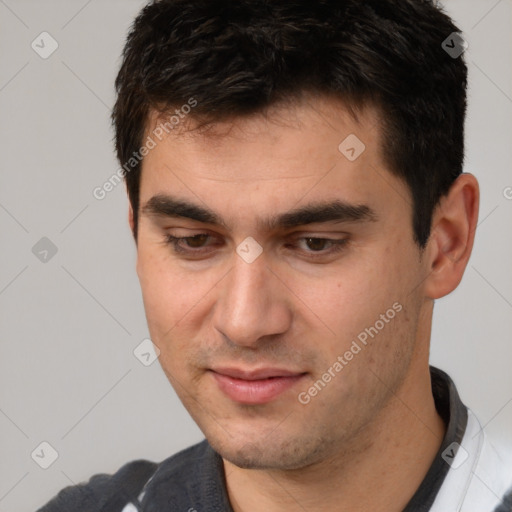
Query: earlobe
[[452, 237]]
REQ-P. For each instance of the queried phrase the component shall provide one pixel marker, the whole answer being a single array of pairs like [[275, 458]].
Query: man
[[294, 171]]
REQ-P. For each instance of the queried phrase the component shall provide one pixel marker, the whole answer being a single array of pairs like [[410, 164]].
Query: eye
[[316, 244], [319, 247], [188, 244], [195, 241]]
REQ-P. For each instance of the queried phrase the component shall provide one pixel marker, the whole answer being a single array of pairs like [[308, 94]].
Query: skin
[[298, 309]]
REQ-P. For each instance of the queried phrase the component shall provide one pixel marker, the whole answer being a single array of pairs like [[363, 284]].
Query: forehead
[[311, 127], [314, 150]]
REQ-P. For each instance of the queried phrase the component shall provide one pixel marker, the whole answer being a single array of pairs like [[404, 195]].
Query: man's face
[[244, 336]]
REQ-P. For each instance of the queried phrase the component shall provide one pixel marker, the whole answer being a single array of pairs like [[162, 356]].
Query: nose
[[251, 304]]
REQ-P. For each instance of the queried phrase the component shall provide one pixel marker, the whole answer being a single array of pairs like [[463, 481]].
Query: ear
[[453, 233], [131, 221]]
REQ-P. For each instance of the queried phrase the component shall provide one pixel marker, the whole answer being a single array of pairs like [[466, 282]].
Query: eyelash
[[337, 245]]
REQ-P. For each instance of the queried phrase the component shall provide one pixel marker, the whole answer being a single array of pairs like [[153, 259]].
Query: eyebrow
[[328, 211]]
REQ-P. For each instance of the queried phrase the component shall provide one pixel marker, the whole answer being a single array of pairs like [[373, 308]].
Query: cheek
[[174, 313], [354, 296], [170, 295]]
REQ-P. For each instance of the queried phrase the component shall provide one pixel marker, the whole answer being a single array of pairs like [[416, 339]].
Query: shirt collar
[[455, 416]]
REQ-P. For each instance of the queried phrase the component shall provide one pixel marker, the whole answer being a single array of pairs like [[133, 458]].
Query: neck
[[398, 446]]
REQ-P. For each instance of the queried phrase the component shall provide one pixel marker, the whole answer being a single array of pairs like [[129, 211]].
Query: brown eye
[[316, 244], [196, 241], [314, 247], [195, 245]]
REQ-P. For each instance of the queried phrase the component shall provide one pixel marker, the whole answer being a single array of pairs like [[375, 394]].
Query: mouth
[[255, 386]]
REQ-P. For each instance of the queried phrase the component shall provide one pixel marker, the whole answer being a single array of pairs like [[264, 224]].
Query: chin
[[264, 454]]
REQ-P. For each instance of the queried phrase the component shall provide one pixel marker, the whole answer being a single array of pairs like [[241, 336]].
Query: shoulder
[[194, 478], [479, 475], [111, 492]]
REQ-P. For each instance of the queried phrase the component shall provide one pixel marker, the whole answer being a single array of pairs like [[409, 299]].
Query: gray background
[[69, 325]]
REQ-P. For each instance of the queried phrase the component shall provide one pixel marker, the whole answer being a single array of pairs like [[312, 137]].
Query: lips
[[255, 386]]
